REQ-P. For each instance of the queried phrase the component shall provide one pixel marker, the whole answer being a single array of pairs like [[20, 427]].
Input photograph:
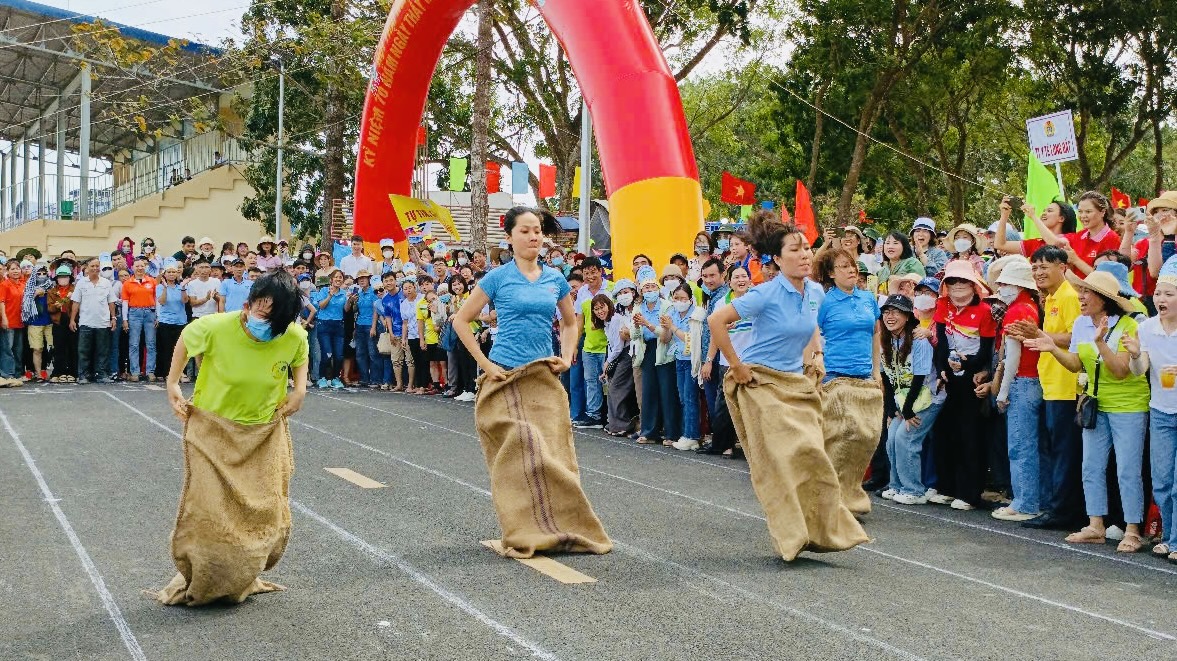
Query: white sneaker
[[888, 494], [934, 496], [1010, 514], [685, 443], [961, 505], [908, 499]]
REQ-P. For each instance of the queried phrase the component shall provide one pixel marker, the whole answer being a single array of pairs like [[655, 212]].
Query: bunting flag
[[745, 211], [1120, 199], [519, 178], [547, 180], [458, 174], [803, 213], [576, 183], [737, 191], [422, 136], [1041, 190], [494, 178]]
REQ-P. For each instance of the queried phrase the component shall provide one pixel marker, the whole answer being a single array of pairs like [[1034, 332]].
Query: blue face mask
[[259, 328], [723, 245], [650, 296], [557, 261], [446, 298]]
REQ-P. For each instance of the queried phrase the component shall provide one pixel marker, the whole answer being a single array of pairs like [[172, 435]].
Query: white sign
[[1052, 137]]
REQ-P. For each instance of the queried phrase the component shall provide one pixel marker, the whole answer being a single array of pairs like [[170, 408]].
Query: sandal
[[1087, 535], [1161, 550], [1130, 544]]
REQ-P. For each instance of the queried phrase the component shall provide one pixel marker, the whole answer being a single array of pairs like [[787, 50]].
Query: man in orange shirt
[[139, 318], [12, 334]]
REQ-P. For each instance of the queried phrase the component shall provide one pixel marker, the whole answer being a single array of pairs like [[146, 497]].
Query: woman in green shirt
[[898, 260]]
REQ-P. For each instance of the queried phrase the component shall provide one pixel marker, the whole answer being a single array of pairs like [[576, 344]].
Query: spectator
[[92, 317]]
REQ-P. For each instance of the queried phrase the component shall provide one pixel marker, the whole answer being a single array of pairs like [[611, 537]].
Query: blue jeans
[[12, 349], [142, 325], [1022, 420], [594, 365], [1060, 448], [367, 357], [688, 396], [1163, 457], [330, 348], [905, 449], [1125, 433], [576, 393]]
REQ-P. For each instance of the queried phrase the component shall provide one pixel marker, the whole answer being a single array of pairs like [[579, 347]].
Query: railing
[[25, 201]]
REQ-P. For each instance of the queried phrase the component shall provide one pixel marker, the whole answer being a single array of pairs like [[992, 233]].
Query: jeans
[[594, 394], [12, 349], [93, 352], [688, 396], [576, 393], [330, 348], [1125, 433], [1022, 419], [905, 449], [367, 357], [142, 324], [1163, 458], [1060, 449]]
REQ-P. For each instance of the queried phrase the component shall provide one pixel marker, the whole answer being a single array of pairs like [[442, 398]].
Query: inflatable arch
[[651, 179]]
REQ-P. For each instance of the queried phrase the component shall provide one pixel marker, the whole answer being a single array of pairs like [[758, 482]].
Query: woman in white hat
[[1019, 394], [1097, 351]]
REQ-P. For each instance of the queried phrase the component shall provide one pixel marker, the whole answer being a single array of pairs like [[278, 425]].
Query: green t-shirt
[[240, 378], [1127, 395]]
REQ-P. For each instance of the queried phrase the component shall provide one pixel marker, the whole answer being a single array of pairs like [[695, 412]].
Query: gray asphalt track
[[399, 573]]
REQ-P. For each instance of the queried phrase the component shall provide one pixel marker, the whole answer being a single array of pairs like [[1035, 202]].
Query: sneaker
[[1010, 514], [337, 384], [465, 397], [934, 496], [958, 504], [889, 494], [908, 499], [323, 383], [685, 443]]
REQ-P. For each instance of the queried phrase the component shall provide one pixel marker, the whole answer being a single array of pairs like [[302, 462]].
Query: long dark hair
[[548, 223], [285, 298]]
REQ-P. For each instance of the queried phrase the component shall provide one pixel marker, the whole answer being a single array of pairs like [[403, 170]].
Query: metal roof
[[40, 70]]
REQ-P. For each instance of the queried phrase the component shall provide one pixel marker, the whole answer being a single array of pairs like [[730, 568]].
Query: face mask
[[962, 245], [682, 306], [625, 299], [557, 261], [925, 302], [446, 298], [462, 261], [723, 245], [650, 296], [259, 328], [1007, 293]]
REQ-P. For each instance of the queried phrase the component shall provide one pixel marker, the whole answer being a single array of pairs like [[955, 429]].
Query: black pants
[[960, 455], [166, 337], [65, 349], [93, 352]]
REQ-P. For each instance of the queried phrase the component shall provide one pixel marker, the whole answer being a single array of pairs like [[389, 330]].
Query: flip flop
[[1087, 535]]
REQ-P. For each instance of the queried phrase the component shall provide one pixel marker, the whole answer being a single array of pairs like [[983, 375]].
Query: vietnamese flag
[[1120, 199], [737, 191], [547, 180], [803, 213], [493, 177]]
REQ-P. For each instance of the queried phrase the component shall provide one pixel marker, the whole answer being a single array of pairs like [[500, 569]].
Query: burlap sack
[[234, 518], [852, 420], [526, 435], [778, 419]]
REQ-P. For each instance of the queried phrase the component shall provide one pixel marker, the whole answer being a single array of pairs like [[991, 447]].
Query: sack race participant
[[234, 516], [521, 412], [772, 394]]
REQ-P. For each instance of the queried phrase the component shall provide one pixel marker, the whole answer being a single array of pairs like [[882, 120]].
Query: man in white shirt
[[202, 291], [357, 261], [92, 317]]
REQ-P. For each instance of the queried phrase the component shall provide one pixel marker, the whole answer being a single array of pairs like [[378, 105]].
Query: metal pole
[[59, 155], [278, 176], [83, 211], [1058, 172], [586, 176]]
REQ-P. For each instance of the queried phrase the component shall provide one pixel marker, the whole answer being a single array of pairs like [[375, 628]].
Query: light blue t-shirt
[[848, 323], [783, 320], [334, 309], [236, 294], [525, 311], [173, 311]]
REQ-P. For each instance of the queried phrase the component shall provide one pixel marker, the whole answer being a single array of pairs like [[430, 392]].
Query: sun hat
[[962, 269], [1104, 284], [1017, 272], [899, 302], [930, 283], [1167, 200], [923, 223], [647, 274]]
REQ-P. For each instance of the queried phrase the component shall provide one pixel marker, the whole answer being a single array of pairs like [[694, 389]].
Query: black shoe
[[707, 448]]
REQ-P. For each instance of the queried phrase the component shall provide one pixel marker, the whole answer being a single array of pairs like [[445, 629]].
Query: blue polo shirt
[[390, 306], [525, 310], [783, 320], [365, 305], [236, 294], [334, 309], [848, 323]]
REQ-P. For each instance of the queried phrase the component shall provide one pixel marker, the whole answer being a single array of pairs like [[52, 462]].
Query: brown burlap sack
[[526, 435], [234, 518], [852, 420], [778, 419]]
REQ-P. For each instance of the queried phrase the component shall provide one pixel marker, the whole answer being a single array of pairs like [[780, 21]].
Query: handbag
[[384, 344]]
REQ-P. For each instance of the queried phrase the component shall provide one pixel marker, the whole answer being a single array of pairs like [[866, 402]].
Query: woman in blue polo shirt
[[772, 396], [330, 301]]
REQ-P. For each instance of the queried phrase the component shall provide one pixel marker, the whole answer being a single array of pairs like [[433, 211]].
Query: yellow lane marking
[[545, 565], [355, 478]]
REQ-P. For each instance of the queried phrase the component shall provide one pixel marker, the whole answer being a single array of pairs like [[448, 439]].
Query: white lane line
[[947, 572], [108, 602], [414, 573]]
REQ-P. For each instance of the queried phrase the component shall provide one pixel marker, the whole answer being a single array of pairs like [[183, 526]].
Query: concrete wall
[[206, 206]]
